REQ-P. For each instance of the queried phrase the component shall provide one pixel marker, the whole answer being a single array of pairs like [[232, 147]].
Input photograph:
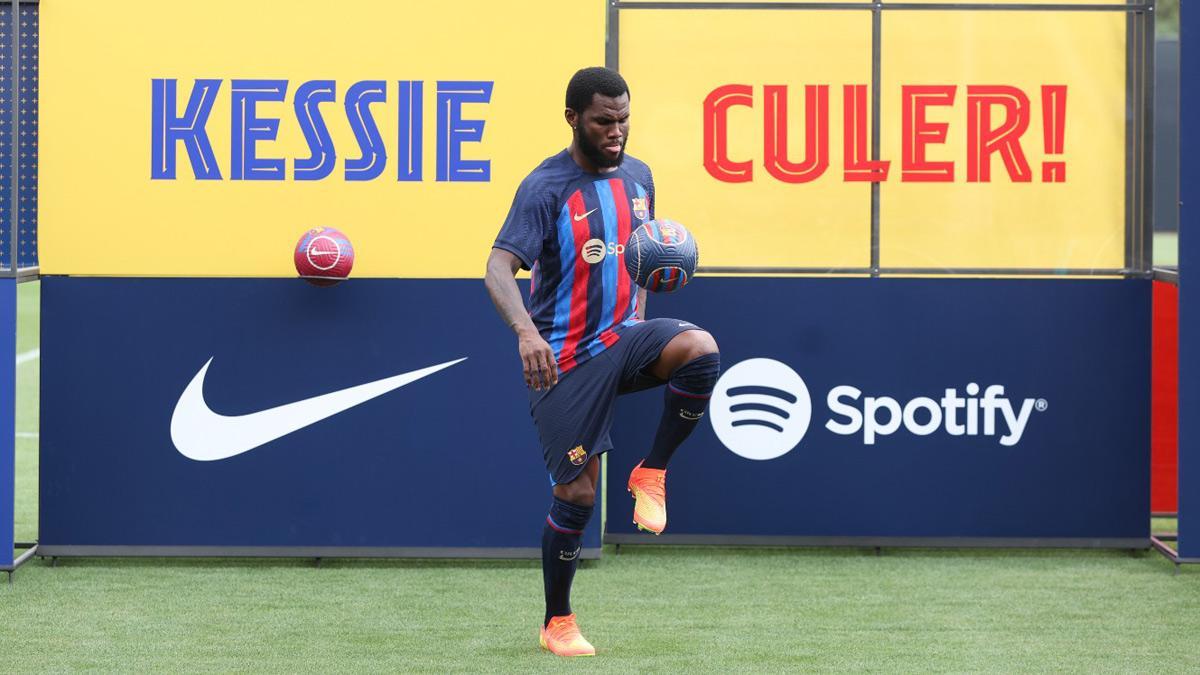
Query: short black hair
[[588, 82]]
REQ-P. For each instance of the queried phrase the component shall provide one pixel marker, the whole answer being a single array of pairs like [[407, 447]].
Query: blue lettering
[[247, 129], [453, 131], [166, 129], [408, 145], [169, 127], [320, 163], [359, 98]]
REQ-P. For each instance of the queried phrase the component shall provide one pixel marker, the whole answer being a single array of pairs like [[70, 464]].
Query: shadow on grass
[[292, 563], [886, 551]]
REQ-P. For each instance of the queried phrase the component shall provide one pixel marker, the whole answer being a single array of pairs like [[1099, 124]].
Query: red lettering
[[919, 132], [854, 133], [816, 134], [716, 107], [983, 139], [997, 117], [1054, 124]]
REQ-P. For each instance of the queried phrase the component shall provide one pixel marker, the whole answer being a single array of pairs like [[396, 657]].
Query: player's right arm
[[537, 359]]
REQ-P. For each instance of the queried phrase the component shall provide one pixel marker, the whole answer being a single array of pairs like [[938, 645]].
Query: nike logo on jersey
[[203, 435], [581, 216]]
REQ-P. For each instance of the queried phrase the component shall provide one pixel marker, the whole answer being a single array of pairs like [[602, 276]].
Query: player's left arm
[[641, 305]]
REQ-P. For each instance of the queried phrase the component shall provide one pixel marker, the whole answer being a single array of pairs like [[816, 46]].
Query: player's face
[[603, 129]]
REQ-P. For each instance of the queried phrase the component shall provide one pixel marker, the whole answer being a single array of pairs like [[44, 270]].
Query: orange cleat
[[562, 637], [649, 489]]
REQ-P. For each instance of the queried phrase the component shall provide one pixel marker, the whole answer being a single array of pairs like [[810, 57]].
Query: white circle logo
[[760, 409], [323, 247], [593, 251]]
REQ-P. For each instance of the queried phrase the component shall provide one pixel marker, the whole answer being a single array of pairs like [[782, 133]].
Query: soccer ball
[[324, 256], [661, 256]]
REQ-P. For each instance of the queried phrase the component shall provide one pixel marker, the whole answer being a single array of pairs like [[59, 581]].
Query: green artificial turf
[[648, 609], [28, 341]]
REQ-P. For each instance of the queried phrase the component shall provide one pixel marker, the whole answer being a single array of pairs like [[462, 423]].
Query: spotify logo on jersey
[[593, 251], [760, 409]]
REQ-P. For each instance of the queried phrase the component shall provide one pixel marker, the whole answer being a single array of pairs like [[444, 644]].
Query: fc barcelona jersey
[[569, 227]]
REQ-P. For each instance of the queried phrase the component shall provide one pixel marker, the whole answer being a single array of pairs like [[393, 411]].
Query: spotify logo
[[760, 409]]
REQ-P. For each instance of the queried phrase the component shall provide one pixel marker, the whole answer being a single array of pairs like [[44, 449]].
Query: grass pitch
[[648, 609]]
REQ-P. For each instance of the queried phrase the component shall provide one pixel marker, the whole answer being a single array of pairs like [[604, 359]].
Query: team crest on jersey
[[577, 455], [641, 207]]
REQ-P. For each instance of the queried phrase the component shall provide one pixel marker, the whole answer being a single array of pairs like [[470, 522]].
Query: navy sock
[[560, 553], [686, 397]]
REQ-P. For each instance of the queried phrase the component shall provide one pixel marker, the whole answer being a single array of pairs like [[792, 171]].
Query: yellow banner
[[177, 141], [1050, 87], [1001, 145], [715, 91], [184, 139]]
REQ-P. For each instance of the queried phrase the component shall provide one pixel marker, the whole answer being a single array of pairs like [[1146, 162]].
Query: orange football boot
[[561, 636], [649, 489]]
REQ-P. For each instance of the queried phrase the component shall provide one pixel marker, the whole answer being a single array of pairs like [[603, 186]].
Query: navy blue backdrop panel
[[857, 411], [448, 464], [1189, 297]]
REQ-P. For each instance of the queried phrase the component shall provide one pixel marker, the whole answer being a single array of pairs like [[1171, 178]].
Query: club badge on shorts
[[577, 455], [641, 207]]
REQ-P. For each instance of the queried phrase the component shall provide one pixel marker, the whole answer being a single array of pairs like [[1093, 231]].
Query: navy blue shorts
[[573, 417]]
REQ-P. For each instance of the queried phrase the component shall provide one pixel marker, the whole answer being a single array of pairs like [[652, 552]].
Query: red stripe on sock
[[687, 394], [554, 526]]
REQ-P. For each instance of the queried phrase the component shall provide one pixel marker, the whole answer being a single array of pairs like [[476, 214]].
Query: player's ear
[[572, 117]]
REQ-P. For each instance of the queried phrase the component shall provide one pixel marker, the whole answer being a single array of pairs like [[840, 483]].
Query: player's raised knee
[[685, 348], [697, 343], [699, 365]]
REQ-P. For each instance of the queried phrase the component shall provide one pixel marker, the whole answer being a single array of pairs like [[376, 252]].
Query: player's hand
[[537, 359]]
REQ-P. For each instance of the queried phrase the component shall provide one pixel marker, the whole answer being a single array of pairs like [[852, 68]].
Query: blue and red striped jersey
[[569, 227]]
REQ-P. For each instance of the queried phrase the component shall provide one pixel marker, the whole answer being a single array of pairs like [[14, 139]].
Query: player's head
[[598, 112]]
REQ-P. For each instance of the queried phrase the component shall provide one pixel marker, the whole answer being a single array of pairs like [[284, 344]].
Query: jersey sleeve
[[529, 220]]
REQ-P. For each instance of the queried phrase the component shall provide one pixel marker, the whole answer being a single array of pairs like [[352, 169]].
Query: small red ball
[[324, 256]]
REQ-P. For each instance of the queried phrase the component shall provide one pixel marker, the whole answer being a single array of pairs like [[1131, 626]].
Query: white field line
[[27, 434]]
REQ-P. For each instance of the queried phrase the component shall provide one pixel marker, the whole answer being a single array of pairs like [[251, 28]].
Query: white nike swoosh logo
[[203, 435], [584, 215]]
